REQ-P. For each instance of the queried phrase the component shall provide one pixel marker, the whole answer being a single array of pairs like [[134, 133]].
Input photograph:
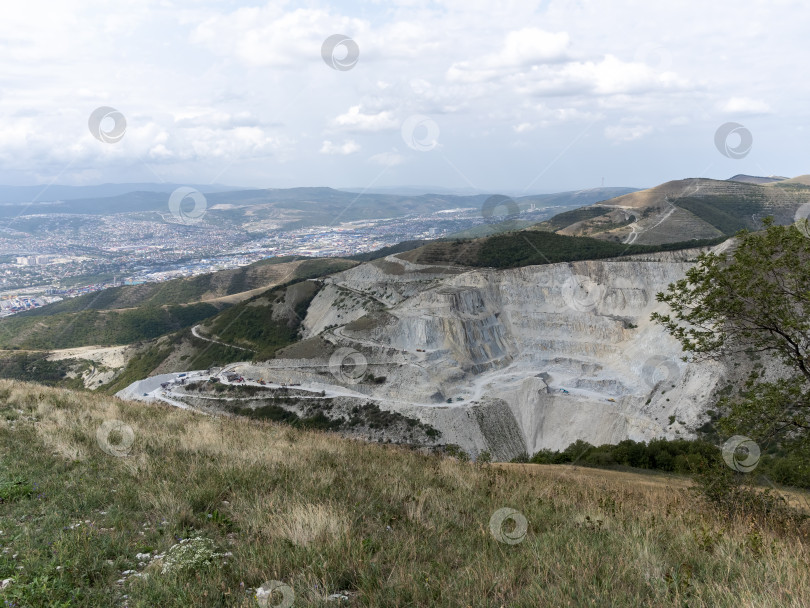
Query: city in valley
[[49, 257]]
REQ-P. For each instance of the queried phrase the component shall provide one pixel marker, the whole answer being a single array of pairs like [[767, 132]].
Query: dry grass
[[658, 484], [382, 526]]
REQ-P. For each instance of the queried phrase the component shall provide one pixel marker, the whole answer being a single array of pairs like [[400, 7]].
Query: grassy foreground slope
[[378, 525]]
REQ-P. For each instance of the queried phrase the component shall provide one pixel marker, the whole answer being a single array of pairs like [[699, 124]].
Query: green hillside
[[265, 323], [562, 220], [533, 247], [384, 251], [708, 206], [191, 289], [251, 330], [128, 314], [102, 327]]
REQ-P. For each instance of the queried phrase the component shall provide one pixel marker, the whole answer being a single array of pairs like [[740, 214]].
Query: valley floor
[[105, 502]]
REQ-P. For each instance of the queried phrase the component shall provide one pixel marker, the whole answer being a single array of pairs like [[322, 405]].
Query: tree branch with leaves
[[753, 298]]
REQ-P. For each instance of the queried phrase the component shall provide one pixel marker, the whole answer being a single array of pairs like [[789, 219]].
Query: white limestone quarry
[[530, 358]]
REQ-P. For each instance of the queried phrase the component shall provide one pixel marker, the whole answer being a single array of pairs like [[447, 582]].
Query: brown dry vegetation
[[380, 525]]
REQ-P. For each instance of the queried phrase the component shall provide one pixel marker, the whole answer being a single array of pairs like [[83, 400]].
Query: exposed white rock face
[[530, 358]]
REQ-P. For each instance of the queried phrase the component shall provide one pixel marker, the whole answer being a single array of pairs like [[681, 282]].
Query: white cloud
[[271, 37], [208, 85], [745, 105], [216, 119], [356, 120], [627, 132], [387, 159], [348, 147], [521, 49], [547, 116], [609, 76], [531, 46]]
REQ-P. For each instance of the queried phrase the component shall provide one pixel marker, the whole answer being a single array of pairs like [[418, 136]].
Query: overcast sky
[[512, 96]]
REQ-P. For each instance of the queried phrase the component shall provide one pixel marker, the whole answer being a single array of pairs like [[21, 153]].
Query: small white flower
[[190, 554]]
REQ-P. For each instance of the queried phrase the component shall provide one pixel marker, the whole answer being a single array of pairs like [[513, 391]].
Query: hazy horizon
[[395, 188]]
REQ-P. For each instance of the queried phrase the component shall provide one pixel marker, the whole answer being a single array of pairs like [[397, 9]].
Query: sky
[[503, 96]]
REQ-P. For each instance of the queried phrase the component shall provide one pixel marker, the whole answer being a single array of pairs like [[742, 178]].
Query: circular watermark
[[741, 453], [348, 365], [802, 219], [515, 535], [264, 595], [582, 293], [415, 509], [420, 133], [115, 438], [625, 297], [107, 125], [721, 140], [507, 220], [660, 369], [340, 52], [655, 56], [186, 216]]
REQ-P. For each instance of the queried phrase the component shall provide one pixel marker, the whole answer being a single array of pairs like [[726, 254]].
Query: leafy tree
[[754, 298]]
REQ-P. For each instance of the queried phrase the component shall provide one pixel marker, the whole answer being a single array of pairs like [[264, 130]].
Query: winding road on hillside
[[195, 332], [631, 238]]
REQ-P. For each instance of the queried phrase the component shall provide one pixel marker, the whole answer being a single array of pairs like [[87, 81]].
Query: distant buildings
[[11, 305], [35, 260], [115, 250]]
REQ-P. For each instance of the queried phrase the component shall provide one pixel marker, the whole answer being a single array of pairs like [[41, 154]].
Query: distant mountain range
[[44, 193], [268, 208], [680, 210]]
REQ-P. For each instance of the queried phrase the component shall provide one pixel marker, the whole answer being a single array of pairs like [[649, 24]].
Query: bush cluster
[[678, 456]]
